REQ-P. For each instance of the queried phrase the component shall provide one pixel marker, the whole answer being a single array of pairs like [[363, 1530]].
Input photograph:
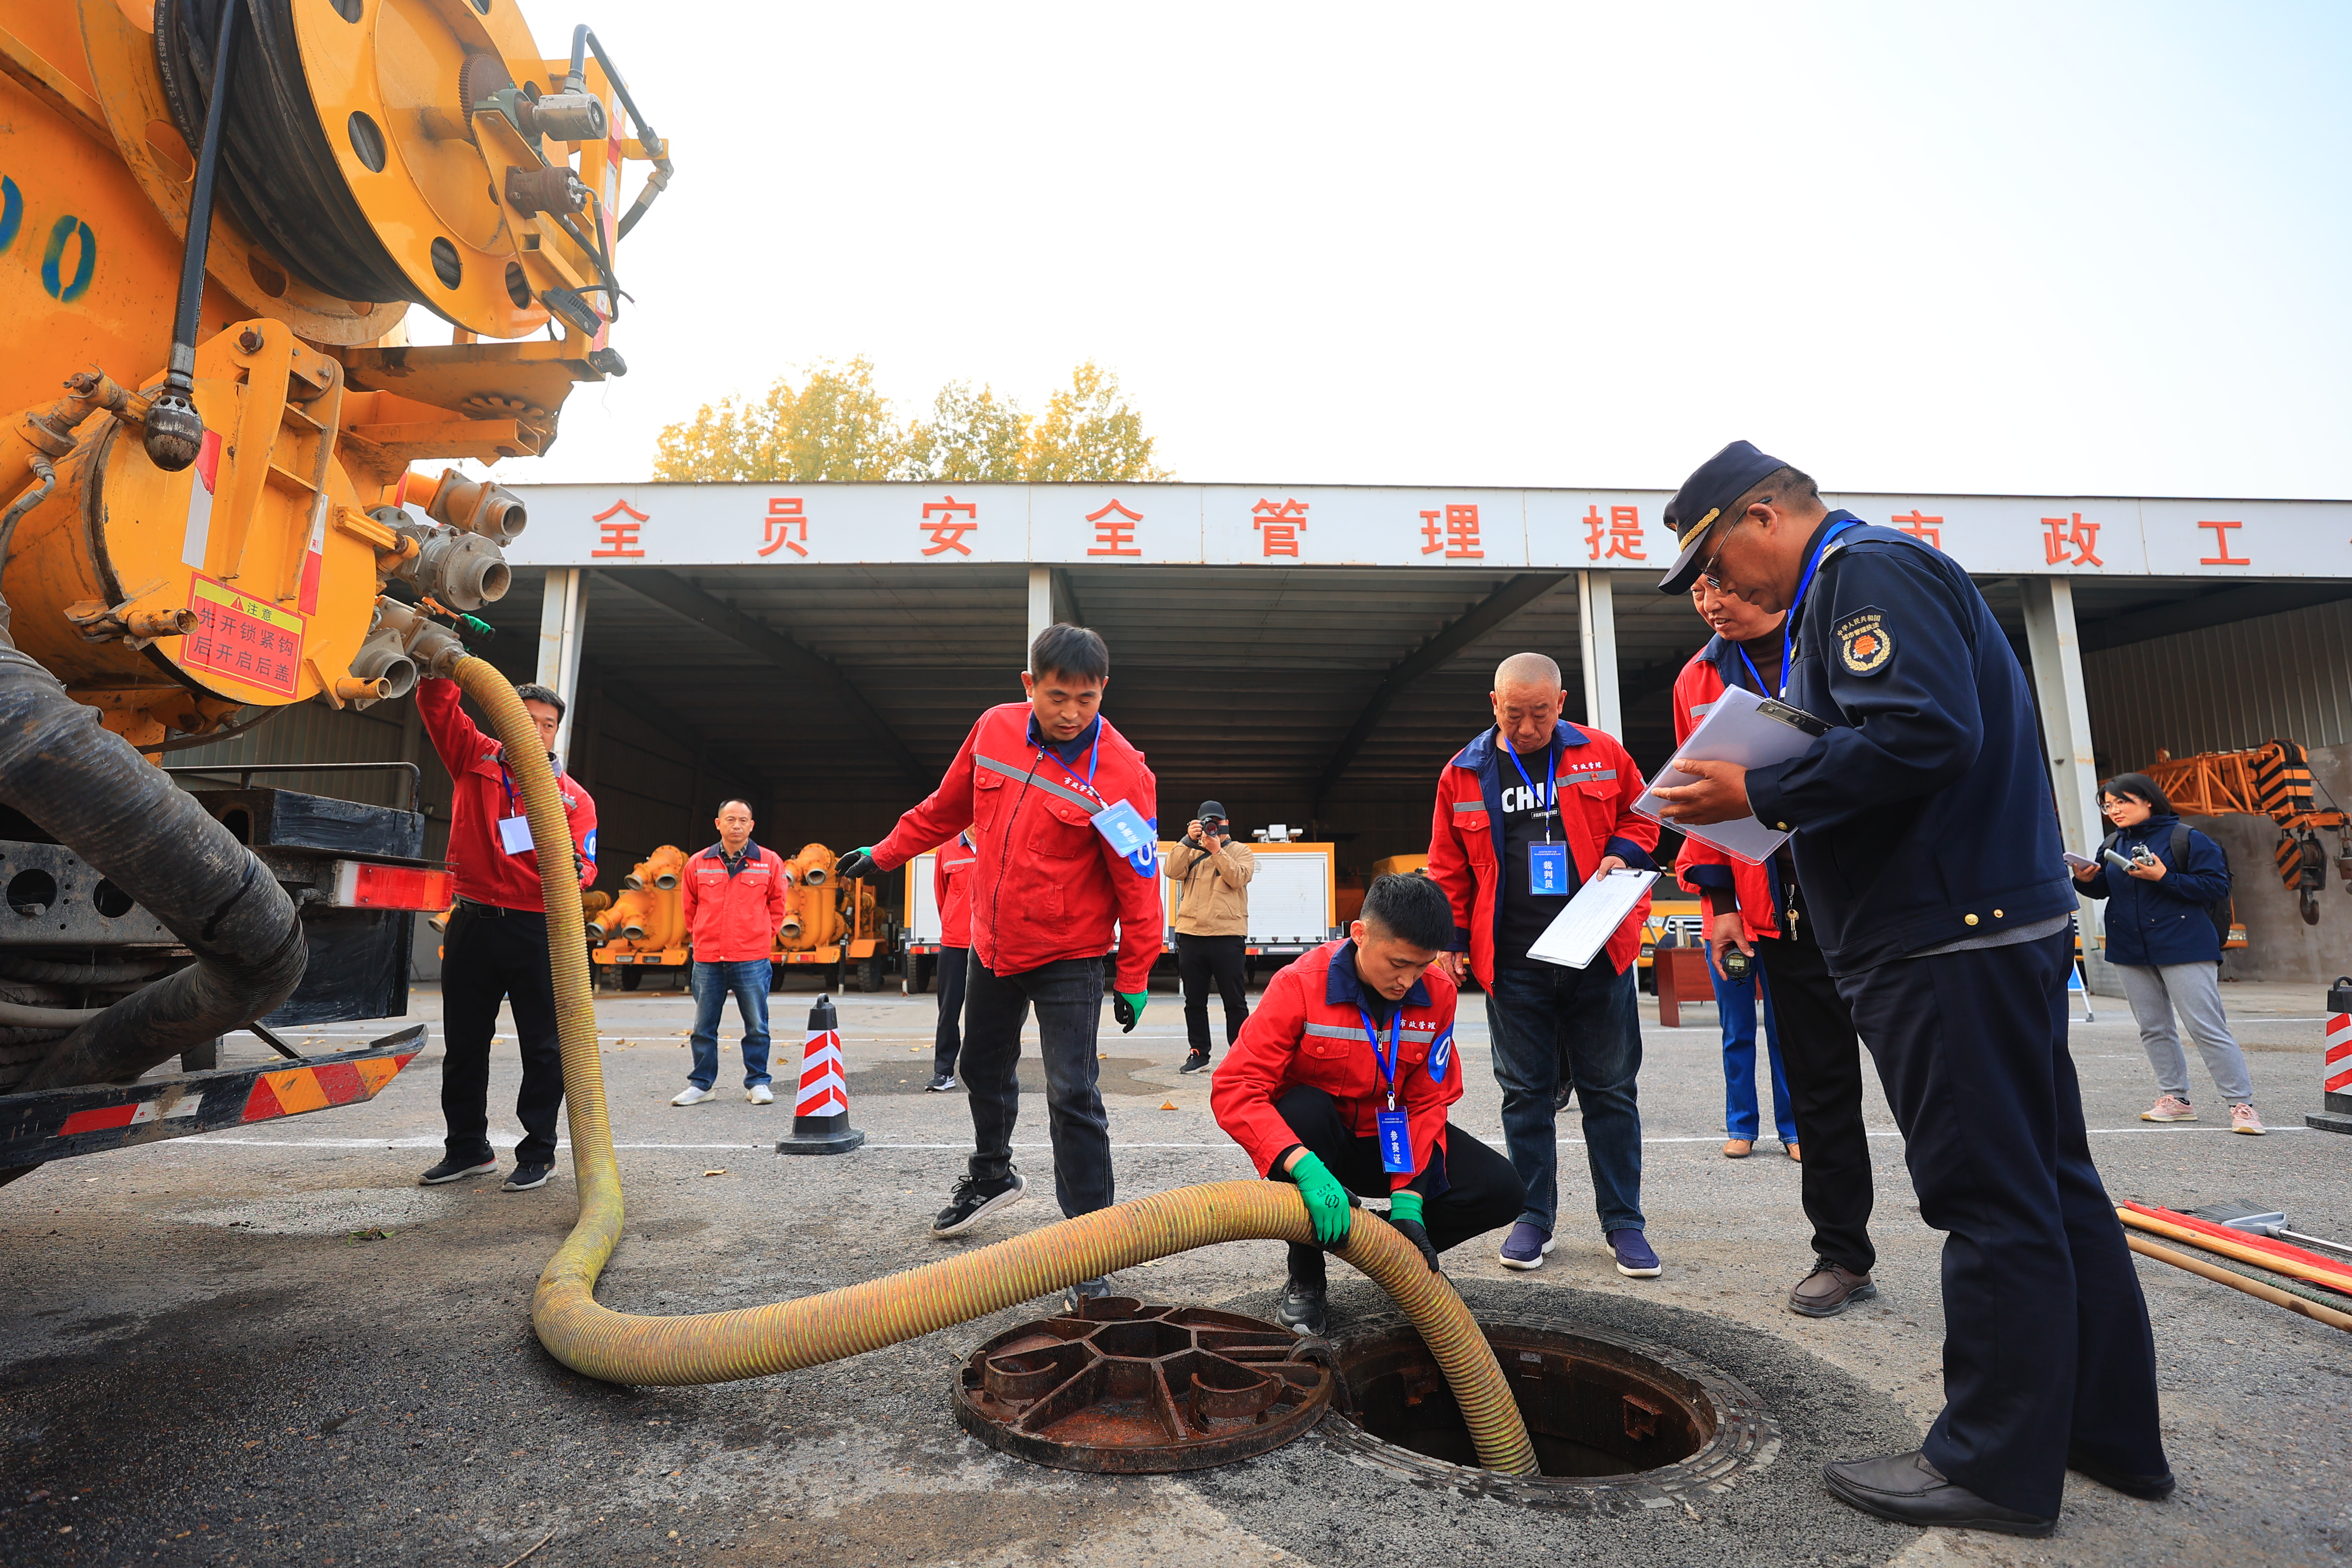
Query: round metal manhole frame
[[1745, 1439], [1217, 1385]]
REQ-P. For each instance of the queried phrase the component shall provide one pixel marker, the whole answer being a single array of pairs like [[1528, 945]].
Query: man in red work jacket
[[951, 892], [496, 947], [735, 896], [1759, 910], [1526, 814], [1046, 784], [1351, 1030]]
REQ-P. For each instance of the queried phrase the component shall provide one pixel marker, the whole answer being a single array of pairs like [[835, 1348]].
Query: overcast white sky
[[2046, 247]]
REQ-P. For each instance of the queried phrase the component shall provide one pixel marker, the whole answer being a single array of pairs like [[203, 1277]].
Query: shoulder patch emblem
[[1865, 643]]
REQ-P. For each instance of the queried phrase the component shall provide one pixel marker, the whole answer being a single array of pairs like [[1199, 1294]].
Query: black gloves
[[855, 865]]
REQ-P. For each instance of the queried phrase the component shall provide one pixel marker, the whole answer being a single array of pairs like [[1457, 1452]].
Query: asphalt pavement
[[273, 1347]]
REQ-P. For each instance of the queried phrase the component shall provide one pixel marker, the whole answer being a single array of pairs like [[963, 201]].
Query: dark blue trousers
[[2047, 1342]]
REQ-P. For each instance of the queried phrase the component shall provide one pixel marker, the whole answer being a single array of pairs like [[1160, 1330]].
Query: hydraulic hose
[[94, 793], [717, 1347]]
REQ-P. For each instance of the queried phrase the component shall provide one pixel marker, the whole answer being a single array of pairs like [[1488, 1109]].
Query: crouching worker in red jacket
[[1340, 1082]]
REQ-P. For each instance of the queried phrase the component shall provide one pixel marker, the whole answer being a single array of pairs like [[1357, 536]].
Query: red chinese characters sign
[[1454, 530], [252, 640], [1918, 525], [1114, 530], [2069, 540], [1621, 531], [1279, 526], [619, 522], [947, 522]]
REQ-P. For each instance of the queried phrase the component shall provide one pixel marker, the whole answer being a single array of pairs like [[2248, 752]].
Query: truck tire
[[632, 978], [870, 974]]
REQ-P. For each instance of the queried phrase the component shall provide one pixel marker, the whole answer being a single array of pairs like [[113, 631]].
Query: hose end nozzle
[[175, 431]]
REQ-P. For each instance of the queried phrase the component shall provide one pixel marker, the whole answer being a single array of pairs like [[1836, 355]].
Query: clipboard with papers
[[1592, 918], [1753, 732]]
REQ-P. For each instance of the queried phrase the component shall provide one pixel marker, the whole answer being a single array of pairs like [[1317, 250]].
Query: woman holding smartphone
[[2159, 878]]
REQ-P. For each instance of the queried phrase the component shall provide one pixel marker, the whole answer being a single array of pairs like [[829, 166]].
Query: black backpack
[[2222, 911]]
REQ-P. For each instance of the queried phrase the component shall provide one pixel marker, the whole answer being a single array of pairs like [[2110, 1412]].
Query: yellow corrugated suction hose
[[716, 1347]]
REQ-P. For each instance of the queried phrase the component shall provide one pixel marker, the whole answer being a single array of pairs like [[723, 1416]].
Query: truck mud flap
[[88, 1119]]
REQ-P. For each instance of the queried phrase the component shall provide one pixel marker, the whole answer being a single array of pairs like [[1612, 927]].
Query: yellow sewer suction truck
[[218, 218]]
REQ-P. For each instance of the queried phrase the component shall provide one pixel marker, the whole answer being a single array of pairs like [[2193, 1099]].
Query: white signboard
[[922, 904], [785, 526]]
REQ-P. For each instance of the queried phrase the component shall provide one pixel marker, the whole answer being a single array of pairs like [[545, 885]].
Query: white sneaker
[[759, 1094], [690, 1095]]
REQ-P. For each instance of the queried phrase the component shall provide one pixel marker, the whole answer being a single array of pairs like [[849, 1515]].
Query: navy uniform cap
[[1211, 808], [1713, 486]]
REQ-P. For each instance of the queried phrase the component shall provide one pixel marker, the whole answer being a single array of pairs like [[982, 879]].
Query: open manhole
[[1616, 1423], [1130, 1388]]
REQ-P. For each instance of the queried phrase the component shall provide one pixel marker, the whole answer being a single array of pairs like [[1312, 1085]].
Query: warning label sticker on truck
[[256, 641]]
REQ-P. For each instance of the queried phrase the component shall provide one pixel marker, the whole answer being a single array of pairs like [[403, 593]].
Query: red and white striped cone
[[2335, 1075], [821, 1115]]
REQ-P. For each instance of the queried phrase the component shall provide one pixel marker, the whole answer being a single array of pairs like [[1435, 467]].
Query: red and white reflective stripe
[[2339, 1054], [206, 477], [314, 556], [146, 1110], [825, 1091]]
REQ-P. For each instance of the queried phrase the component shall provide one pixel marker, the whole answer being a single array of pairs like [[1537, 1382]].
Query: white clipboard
[[1592, 918], [1754, 732]]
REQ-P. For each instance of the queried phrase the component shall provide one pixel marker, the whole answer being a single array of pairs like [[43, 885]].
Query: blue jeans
[[1580, 1025], [748, 980], [1735, 1002]]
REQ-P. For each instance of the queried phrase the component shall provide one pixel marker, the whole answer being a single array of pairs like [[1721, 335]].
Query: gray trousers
[[2154, 992]]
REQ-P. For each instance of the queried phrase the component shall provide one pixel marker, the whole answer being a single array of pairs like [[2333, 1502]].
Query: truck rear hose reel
[[717, 1347]]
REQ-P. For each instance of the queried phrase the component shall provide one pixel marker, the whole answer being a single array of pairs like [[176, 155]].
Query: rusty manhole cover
[[1127, 1387]]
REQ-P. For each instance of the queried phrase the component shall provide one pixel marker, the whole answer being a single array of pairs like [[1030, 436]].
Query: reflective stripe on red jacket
[[1598, 784], [482, 793], [1701, 867], [734, 919], [1308, 1029], [951, 890], [1047, 886]]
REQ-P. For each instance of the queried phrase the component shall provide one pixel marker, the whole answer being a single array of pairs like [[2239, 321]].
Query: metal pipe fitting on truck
[[384, 659], [474, 506], [433, 648], [459, 570]]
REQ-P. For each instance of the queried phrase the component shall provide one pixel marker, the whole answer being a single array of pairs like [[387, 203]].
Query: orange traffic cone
[[821, 1116]]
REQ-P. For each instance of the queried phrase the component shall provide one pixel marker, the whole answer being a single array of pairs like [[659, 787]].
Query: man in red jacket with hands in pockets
[[1065, 819], [1340, 1082]]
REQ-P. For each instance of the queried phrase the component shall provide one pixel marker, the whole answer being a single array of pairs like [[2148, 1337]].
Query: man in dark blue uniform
[[1928, 850]]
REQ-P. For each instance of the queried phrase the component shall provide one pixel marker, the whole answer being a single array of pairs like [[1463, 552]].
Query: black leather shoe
[[2147, 1488], [1907, 1489]]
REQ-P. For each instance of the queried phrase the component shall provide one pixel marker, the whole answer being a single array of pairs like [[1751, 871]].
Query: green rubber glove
[[1127, 1007], [1327, 1203], [1404, 1213]]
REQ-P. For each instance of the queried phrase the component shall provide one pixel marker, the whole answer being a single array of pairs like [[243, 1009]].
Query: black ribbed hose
[[93, 792]]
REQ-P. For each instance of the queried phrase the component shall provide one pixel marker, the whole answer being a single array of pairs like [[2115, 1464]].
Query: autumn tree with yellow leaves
[[836, 424]]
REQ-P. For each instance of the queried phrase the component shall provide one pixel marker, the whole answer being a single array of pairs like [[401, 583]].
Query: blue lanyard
[[1372, 1032], [1093, 761], [1531, 784], [1789, 626], [1758, 675], [506, 782]]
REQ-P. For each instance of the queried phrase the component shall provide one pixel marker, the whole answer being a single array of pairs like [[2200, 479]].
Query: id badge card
[[1122, 828], [1396, 1143], [1547, 871], [514, 834]]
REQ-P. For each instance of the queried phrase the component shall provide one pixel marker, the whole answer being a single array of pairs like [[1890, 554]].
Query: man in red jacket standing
[[496, 947], [951, 892], [1526, 814], [1759, 910], [1066, 819], [1340, 1082], [736, 895]]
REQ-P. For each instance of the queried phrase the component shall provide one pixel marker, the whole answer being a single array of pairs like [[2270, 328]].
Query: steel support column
[[2057, 653], [563, 609], [1596, 620]]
